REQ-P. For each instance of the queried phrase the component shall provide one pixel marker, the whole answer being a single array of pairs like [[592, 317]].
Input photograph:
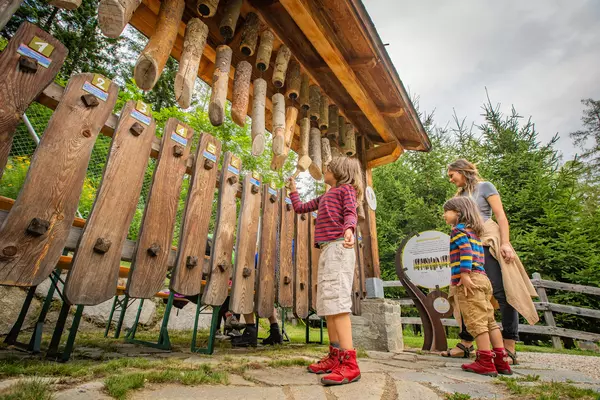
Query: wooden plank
[[301, 243], [570, 287], [285, 292], [315, 32], [7, 9], [244, 275], [187, 275], [392, 284], [315, 253], [23, 81], [149, 265], [369, 250], [94, 274], [267, 254], [553, 307], [51, 190], [215, 292], [548, 316]]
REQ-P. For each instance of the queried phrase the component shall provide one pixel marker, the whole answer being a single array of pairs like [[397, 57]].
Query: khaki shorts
[[335, 278], [477, 310]]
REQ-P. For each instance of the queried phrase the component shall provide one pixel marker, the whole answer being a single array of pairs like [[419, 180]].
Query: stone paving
[[385, 376]]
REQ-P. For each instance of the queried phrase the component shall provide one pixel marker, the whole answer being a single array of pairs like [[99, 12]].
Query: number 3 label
[[101, 82], [41, 46], [142, 107]]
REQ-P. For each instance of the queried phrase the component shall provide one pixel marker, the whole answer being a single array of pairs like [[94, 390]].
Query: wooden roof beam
[[315, 32], [359, 63], [383, 154]]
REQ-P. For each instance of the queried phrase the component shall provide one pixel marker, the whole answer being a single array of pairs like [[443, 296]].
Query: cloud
[[539, 55]]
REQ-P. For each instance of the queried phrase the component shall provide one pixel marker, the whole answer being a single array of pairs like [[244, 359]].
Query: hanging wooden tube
[[265, 48], [333, 130], [315, 102], [335, 152], [194, 41], [249, 34], [66, 4], [349, 138], [314, 151], [230, 18], [241, 93], [342, 129], [324, 113], [114, 15], [326, 156], [304, 160], [304, 92], [278, 124], [291, 117], [259, 99], [207, 8], [293, 80], [281, 65], [220, 81], [153, 58]]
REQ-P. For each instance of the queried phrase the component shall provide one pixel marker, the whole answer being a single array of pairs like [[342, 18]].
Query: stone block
[[183, 319], [99, 314], [374, 288], [11, 301], [379, 327]]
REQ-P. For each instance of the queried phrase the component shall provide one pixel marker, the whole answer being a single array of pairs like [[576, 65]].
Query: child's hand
[[292, 184], [467, 283], [349, 239]]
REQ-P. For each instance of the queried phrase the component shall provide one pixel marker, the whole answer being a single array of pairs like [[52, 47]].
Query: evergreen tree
[[588, 138]]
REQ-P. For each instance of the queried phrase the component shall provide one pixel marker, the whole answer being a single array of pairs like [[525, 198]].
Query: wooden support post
[[259, 99], [34, 234], [94, 270], [304, 160], [24, 78], [304, 92], [324, 113], [293, 80], [194, 41], [241, 93], [193, 233], [216, 288], [548, 316], [315, 102], [265, 48], [218, 97], [66, 4], [368, 225], [281, 66], [207, 8], [349, 140], [249, 34], [153, 58], [244, 275], [7, 9], [314, 151], [114, 15], [333, 129], [230, 18], [285, 292], [149, 265], [301, 279], [278, 124], [267, 255], [315, 254]]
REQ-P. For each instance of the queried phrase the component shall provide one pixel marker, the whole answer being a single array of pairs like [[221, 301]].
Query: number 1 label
[[41, 46]]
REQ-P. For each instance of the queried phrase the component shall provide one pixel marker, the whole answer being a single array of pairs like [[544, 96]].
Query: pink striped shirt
[[337, 212]]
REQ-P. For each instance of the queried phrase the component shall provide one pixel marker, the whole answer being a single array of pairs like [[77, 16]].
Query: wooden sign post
[[285, 292], [267, 256], [301, 278], [315, 253]]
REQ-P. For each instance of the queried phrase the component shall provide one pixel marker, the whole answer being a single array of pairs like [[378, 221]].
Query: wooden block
[[242, 287], [114, 15], [20, 85], [285, 292], [216, 289], [95, 269], [53, 185], [149, 264], [186, 279], [267, 256], [301, 267], [315, 253]]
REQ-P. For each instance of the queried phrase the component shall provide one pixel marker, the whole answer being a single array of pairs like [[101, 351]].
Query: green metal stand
[[163, 343], [120, 303], [307, 322], [212, 332], [283, 312]]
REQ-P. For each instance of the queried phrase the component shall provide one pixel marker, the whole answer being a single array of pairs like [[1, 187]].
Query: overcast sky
[[542, 56]]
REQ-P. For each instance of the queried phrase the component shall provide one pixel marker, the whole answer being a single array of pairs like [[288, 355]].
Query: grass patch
[[546, 390], [119, 385], [457, 396], [289, 362], [34, 389]]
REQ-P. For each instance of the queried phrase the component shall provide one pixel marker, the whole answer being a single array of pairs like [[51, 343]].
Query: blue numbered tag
[[233, 170], [24, 50], [179, 139], [314, 214], [144, 119], [209, 156], [254, 181], [272, 191], [88, 87], [288, 200]]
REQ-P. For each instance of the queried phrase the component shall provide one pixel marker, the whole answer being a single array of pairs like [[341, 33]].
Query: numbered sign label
[[211, 148], [88, 87], [101, 82], [24, 50], [255, 179], [234, 166], [142, 107], [41, 46], [142, 113], [272, 189], [314, 214], [209, 155], [180, 135], [288, 200]]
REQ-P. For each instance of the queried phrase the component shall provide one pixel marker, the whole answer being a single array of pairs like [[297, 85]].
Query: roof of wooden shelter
[[337, 45]]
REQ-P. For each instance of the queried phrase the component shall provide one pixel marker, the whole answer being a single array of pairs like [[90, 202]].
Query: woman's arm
[[506, 248]]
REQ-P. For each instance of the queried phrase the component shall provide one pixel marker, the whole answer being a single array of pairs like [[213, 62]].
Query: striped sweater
[[337, 212], [466, 253]]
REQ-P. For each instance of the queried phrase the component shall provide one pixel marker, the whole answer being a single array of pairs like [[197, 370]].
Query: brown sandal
[[512, 356], [466, 352]]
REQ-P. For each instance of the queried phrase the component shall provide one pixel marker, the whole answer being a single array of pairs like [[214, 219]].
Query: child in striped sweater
[[471, 290], [334, 235]]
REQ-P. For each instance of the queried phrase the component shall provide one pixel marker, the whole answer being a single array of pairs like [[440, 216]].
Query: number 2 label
[[101, 82]]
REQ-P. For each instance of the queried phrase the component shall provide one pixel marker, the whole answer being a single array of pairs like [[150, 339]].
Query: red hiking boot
[[327, 363], [501, 362], [483, 365], [346, 372]]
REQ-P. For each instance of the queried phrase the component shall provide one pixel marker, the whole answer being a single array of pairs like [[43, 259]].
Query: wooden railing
[[548, 308]]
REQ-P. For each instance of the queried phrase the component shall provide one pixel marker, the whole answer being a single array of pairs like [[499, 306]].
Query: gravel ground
[[588, 365]]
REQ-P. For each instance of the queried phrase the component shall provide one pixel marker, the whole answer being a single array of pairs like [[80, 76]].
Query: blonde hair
[[469, 171], [468, 213], [348, 171]]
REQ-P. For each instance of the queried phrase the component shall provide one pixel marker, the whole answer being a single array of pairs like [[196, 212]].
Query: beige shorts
[[476, 309], [335, 278]]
